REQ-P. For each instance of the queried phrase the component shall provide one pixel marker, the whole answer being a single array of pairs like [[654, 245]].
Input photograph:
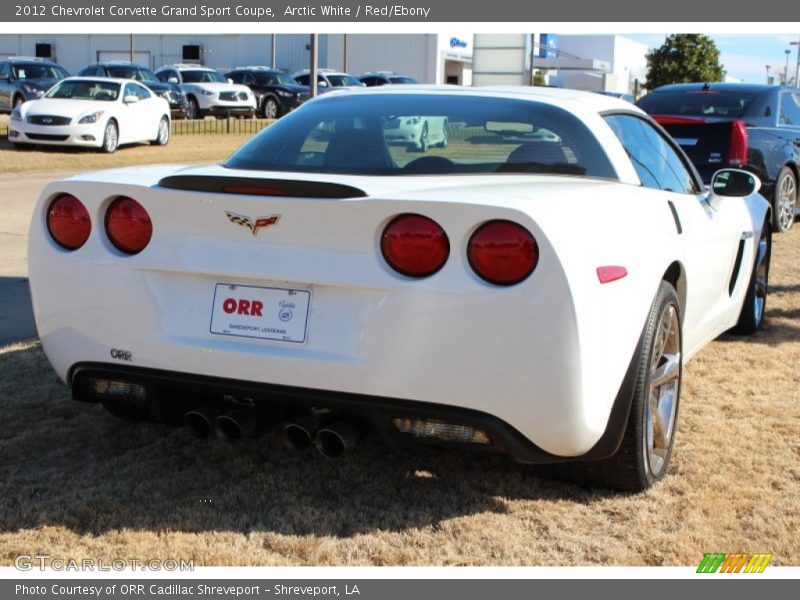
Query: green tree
[[684, 58]]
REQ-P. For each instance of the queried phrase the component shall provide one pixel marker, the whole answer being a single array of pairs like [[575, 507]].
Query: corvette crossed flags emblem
[[253, 226]]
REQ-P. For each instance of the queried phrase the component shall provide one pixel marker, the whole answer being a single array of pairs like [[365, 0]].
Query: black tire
[[128, 412], [751, 319], [424, 140], [111, 137], [784, 201], [630, 468], [192, 108], [271, 108], [162, 139]]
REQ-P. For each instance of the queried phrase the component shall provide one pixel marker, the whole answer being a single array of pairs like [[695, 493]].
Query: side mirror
[[732, 183], [322, 84], [131, 99], [230, 80], [172, 80]]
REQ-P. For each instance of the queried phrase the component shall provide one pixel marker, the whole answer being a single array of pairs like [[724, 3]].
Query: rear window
[[413, 134], [698, 103]]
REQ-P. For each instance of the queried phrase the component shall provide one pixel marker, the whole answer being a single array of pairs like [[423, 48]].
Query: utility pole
[[797, 66], [274, 43], [345, 54], [768, 67], [133, 52], [314, 66]]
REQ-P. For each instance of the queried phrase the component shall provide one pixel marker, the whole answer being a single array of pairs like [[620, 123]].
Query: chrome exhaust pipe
[[237, 424], [339, 438], [201, 420], [299, 434]]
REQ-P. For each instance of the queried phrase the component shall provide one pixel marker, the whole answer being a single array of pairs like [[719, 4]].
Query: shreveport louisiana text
[[176, 589], [90, 11]]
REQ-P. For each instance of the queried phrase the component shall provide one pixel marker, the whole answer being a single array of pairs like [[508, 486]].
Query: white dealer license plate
[[260, 312]]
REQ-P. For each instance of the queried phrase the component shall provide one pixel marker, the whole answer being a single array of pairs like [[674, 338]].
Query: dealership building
[[589, 62], [430, 58]]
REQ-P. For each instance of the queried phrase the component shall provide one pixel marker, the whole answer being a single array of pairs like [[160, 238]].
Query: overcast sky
[[745, 56]]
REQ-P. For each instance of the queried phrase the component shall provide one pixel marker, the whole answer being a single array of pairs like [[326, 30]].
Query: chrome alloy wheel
[[664, 386], [112, 137], [787, 202], [163, 132]]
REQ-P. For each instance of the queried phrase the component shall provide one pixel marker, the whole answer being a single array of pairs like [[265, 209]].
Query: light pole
[[786, 68], [797, 67], [767, 67]]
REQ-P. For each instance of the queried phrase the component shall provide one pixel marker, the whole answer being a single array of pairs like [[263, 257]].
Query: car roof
[[733, 87], [186, 67], [96, 78], [118, 63], [557, 96]]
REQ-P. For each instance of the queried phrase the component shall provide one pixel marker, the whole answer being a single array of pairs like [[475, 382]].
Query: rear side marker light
[[68, 222], [128, 225], [611, 273], [414, 245], [502, 252], [433, 429]]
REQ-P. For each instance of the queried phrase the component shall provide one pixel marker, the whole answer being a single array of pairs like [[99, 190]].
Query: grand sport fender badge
[[251, 224]]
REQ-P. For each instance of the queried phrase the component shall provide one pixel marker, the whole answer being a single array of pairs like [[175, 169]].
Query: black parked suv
[[746, 126], [124, 70], [23, 79], [276, 92], [385, 78]]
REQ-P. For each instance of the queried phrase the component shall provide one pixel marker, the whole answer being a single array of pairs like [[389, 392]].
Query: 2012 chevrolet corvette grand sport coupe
[[531, 286]]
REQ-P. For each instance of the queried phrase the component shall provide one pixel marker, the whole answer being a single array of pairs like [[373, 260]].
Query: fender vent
[[737, 266], [254, 186]]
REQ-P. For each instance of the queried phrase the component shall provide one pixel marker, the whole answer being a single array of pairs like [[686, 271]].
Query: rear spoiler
[[255, 186]]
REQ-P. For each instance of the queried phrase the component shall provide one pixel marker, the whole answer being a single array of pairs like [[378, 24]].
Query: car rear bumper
[[380, 412]]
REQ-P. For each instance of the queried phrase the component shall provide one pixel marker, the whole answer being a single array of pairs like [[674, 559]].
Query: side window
[[235, 76], [5, 69], [162, 76], [247, 79], [134, 89], [302, 79], [790, 110], [369, 81], [656, 162]]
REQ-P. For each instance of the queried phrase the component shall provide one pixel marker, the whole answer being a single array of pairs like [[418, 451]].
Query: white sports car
[[95, 113], [534, 288]]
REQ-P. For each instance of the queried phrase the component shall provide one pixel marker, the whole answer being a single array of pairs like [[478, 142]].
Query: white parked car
[[416, 132], [209, 93], [535, 288], [90, 112]]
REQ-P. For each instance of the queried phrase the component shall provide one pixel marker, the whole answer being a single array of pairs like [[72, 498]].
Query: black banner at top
[[434, 11]]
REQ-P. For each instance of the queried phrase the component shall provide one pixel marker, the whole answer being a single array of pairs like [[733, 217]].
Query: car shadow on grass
[[73, 465]]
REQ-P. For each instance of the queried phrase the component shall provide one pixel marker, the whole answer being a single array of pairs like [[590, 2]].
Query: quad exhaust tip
[[339, 438], [201, 421], [237, 425]]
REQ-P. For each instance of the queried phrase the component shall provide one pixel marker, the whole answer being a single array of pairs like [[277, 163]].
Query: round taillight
[[414, 245], [502, 252], [128, 225], [68, 222]]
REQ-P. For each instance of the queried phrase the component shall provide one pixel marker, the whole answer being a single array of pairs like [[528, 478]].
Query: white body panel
[[547, 355]]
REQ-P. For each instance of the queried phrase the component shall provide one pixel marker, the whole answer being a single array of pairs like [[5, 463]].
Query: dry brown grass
[[181, 148], [74, 482]]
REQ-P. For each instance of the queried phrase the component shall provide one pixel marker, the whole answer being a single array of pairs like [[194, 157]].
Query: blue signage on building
[[548, 45]]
